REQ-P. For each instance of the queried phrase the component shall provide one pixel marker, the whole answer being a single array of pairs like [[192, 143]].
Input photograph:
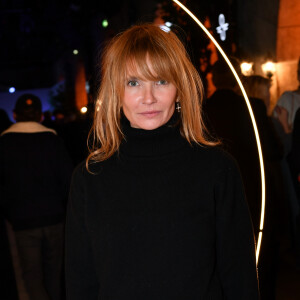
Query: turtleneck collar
[[151, 143]]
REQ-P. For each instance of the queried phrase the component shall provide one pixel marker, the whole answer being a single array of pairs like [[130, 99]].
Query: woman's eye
[[162, 82], [132, 83]]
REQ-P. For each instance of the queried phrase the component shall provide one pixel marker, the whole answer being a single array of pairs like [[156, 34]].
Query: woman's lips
[[150, 113]]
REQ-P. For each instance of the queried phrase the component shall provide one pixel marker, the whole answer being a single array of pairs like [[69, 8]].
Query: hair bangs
[[148, 60]]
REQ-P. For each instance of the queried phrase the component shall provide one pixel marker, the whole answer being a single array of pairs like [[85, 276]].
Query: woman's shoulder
[[84, 169], [218, 165], [215, 157], [78, 174]]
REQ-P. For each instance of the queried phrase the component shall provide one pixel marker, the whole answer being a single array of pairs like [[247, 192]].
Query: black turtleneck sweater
[[159, 220]]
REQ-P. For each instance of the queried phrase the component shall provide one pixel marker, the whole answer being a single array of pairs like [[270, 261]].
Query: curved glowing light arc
[[263, 187]]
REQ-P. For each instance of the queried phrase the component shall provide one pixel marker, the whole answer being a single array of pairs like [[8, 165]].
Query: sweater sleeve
[[81, 278], [235, 246]]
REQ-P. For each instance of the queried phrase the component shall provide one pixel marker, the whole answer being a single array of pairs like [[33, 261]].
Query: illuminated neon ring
[[262, 171]]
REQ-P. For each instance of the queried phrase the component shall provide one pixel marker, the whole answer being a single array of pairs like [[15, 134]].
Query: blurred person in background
[[228, 119], [276, 225], [283, 119], [292, 168], [35, 172], [289, 101]]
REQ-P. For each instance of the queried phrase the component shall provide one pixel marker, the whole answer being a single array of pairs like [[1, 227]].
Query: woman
[[156, 212]]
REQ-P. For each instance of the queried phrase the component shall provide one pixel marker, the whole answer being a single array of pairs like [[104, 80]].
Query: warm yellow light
[[268, 68], [75, 52], [246, 68], [263, 186], [83, 109]]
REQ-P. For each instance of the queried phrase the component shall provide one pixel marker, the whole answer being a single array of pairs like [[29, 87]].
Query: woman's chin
[[147, 125]]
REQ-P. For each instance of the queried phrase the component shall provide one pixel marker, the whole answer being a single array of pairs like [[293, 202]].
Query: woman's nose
[[148, 96]]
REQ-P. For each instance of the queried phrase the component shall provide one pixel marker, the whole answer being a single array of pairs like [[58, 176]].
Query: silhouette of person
[[35, 172], [228, 119]]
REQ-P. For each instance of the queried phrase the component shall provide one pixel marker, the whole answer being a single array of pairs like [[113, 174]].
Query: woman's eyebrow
[[132, 78], [136, 77]]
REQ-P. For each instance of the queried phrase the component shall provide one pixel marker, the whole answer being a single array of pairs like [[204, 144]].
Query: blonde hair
[[169, 61]]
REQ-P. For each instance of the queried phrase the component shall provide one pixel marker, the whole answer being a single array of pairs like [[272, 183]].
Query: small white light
[[12, 90], [268, 68], [222, 28], [75, 52], [165, 28], [83, 109], [246, 68], [168, 24]]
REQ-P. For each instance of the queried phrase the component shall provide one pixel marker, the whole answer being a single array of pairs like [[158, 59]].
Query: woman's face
[[148, 104]]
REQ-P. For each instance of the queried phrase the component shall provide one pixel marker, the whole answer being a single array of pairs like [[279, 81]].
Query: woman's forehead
[[149, 69], [140, 70]]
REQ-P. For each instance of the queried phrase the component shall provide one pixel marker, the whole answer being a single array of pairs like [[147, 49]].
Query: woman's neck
[[147, 143]]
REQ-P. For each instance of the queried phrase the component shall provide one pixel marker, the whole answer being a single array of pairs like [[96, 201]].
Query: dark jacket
[[35, 172], [228, 119]]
